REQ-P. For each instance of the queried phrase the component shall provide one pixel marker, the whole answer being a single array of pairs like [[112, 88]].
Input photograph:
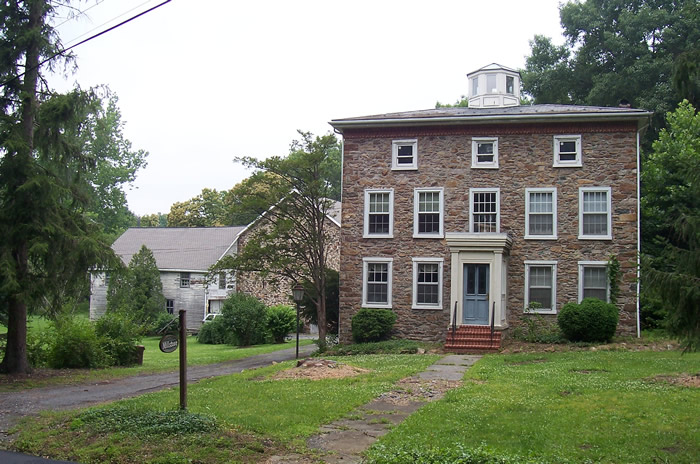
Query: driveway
[[16, 405]]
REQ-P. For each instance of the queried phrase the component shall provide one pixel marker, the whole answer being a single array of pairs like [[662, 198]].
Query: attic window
[[567, 150], [404, 154], [491, 83], [184, 280], [485, 152], [510, 85]]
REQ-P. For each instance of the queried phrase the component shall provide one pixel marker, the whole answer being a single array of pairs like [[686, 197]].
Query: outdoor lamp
[[298, 295]]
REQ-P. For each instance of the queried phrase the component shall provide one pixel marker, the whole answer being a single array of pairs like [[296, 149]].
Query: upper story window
[[170, 306], [376, 282], [427, 283], [222, 281], [593, 280], [541, 286], [428, 212], [484, 204], [491, 83], [541, 213], [184, 280], [510, 85], [404, 154], [567, 151], [379, 213], [485, 152], [594, 216]]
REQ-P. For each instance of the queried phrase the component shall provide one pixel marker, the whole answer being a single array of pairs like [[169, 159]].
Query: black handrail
[[493, 316], [454, 322]]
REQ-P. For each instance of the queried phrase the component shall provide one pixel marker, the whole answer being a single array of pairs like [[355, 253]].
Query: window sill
[[404, 168], [595, 237], [376, 306], [377, 236], [540, 237], [568, 165], [540, 311], [430, 308], [484, 166], [428, 235]]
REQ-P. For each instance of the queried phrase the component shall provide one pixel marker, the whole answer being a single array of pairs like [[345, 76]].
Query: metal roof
[[511, 114], [178, 248]]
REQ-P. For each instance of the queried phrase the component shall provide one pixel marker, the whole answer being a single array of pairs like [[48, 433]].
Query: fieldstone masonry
[[525, 154]]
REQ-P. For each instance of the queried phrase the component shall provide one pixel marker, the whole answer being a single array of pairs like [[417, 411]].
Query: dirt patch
[[413, 389], [683, 380], [317, 369]]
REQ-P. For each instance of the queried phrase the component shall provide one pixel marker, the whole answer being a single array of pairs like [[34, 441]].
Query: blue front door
[[476, 294]]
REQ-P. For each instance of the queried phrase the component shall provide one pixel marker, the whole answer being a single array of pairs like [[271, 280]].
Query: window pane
[[377, 293], [595, 202], [595, 224], [510, 84], [378, 224], [541, 224], [378, 202], [481, 270], [484, 148], [484, 215], [428, 202], [429, 223], [427, 294], [542, 296], [540, 286], [405, 154], [541, 202], [595, 282], [601, 294], [568, 146], [471, 279], [491, 83], [377, 282], [475, 86]]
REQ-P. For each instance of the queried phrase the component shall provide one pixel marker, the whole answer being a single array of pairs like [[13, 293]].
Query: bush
[[76, 345], [215, 333], [372, 325], [245, 316], [118, 335], [281, 320], [536, 329], [172, 322], [385, 347], [39, 344], [589, 321]]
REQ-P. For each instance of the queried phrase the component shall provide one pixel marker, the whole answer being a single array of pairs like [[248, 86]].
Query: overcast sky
[[202, 81]]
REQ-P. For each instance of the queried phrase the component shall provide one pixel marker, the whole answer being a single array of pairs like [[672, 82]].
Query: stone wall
[[525, 161]]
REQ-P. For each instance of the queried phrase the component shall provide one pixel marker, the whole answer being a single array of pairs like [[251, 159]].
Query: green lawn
[[257, 416], [611, 407]]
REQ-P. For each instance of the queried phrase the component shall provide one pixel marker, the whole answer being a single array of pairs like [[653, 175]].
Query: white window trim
[[581, 265], [439, 262], [416, 196], [472, 191], [553, 191], [395, 153], [366, 261], [553, 264], [576, 163], [475, 161], [607, 236], [366, 233]]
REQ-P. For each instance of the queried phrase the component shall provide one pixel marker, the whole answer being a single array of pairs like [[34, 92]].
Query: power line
[[86, 40]]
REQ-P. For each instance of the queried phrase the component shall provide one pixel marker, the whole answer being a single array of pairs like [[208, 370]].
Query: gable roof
[[178, 248]]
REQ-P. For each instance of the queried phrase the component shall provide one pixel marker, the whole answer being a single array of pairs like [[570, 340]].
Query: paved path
[[15, 405], [344, 440]]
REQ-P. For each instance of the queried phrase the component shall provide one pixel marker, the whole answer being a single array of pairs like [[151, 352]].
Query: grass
[[607, 407], [384, 347], [256, 416]]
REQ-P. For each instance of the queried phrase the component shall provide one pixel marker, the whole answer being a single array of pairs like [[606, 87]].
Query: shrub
[[76, 345], [589, 321], [172, 322], [215, 333], [39, 344], [245, 316], [372, 325], [536, 329], [385, 347], [118, 335], [281, 320]]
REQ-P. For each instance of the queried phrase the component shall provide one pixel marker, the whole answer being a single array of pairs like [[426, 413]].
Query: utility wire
[[86, 40]]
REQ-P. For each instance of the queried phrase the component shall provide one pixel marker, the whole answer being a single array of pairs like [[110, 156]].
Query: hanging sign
[[168, 343]]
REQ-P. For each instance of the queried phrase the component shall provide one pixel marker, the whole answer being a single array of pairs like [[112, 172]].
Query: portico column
[[456, 287]]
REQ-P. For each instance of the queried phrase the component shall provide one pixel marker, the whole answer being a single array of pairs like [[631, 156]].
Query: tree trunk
[[15, 360], [321, 318]]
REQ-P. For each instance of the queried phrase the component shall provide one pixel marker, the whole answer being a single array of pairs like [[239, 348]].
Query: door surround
[[491, 249]]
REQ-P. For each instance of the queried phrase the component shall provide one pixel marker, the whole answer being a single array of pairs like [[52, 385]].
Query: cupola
[[494, 86]]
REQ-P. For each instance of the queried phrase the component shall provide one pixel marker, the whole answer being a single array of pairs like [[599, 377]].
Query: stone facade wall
[[525, 161], [275, 290]]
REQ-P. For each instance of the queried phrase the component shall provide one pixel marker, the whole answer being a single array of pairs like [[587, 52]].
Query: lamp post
[[298, 295]]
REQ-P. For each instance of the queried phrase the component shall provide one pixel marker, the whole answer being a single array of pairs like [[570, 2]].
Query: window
[[485, 211], [404, 154], [510, 85], [475, 86], [184, 280], [107, 277], [594, 213], [222, 281], [491, 83], [567, 151], [428, 214], [379, 213], [170, 306], [593, 280], [541, 284], [485, 152], [376, 280], [541, 213], [427, 283]]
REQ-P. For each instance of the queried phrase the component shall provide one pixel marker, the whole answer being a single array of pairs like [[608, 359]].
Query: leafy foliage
[[614, 278], [136, 421], [398, 346], [671, 215], [592, 320], [138, 290], [118, 335], [205, 210], [332, 301], [76, 345], [536, 329], [372, 325], [281, 320], [215, 332], [245, 317]]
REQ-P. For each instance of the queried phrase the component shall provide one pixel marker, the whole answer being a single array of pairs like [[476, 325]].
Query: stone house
[[465, 217], [183, 256]]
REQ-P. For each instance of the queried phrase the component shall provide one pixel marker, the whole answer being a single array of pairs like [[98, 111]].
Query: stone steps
[[472, 339]]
